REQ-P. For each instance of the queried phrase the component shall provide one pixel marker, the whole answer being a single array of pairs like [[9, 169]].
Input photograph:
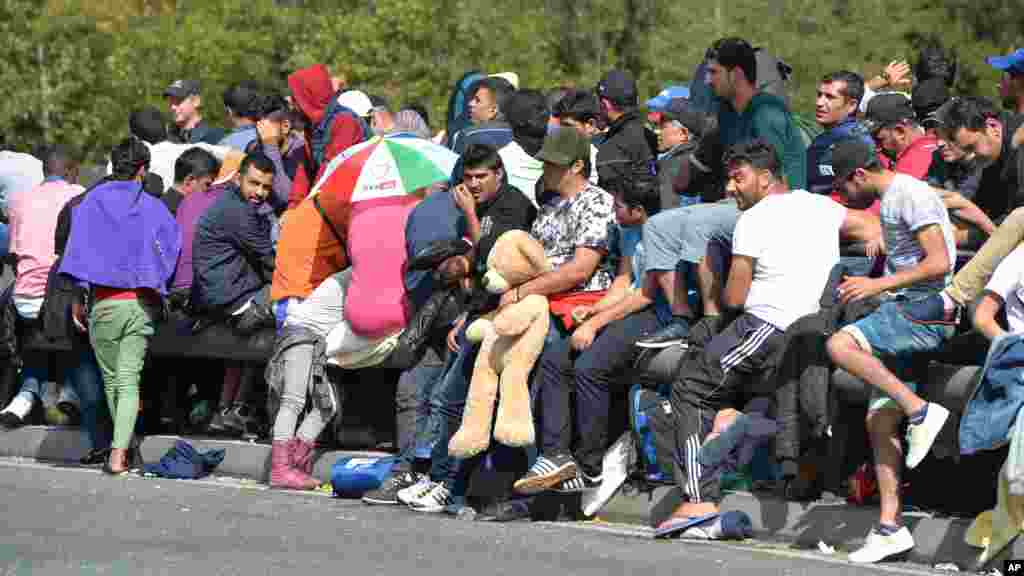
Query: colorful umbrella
[[388, 166]]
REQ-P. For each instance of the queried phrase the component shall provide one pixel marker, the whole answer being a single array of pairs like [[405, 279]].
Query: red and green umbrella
[[384, 167]]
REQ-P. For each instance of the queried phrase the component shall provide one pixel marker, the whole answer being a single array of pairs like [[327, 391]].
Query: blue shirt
[[437, 217], [819, 153], [630, 244], [240, 138]]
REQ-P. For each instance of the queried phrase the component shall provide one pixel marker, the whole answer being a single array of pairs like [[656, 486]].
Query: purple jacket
[[191, 208], [122, 238]]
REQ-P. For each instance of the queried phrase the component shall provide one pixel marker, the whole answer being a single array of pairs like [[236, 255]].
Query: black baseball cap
[[848, 155], [182, 88], [682, 111], [619, 87], [888, 109]]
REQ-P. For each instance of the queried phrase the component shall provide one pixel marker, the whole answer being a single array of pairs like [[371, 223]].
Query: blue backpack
[[353, 476], [649, 410]]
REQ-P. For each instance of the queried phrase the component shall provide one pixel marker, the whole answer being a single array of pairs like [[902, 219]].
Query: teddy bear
[[511, 340]]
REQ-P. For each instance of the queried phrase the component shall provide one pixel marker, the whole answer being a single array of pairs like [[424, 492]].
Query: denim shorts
[[898, 330]]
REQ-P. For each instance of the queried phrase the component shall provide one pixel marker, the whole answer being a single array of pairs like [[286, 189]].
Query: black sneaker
[[10, 421], [579, 483], [546, 473], [387, 494], [672, 334], [226, 423]]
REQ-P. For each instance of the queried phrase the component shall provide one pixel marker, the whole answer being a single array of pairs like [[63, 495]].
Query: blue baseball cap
[[1013, 62], [659, 102]]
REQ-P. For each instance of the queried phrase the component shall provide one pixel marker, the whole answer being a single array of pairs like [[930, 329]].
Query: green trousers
[[119, 331]]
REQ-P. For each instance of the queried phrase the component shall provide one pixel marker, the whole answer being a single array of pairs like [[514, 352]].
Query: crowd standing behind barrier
[[763, 279]]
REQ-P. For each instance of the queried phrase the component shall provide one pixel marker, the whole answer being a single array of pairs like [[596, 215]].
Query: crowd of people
[[717, 224]]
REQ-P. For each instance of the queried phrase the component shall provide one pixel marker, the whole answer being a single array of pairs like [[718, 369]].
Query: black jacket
[[232, 254], [627, 152], [803, 378]]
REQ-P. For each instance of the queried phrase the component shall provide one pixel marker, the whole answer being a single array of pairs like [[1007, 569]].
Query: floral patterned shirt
[[581, 221]]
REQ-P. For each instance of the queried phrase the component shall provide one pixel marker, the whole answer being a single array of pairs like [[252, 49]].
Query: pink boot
[[302, 455], [283, 474]]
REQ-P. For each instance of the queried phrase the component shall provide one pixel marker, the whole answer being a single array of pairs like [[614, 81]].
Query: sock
[[948, 304], [21, 405], [888, 529], [918, 417]]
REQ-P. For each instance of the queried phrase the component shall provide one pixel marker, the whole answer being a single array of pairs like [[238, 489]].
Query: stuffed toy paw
[[511, 340]]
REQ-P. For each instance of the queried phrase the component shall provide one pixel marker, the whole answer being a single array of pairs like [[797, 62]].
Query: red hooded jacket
[[312, 92]]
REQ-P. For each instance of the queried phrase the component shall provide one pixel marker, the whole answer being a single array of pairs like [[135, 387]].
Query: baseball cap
[[563, 146], [927, 98], [510, 77], [356, 101], [619, 87], [848, 155], [887, 109], [659, 102], [1013, 62], [182, 88], [680, 110]]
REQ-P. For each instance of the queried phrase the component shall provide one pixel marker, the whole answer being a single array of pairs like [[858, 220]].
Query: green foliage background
[[71, 70]]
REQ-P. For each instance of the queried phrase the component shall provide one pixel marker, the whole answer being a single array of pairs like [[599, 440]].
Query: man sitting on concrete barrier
[[921, 248], [769, 288]]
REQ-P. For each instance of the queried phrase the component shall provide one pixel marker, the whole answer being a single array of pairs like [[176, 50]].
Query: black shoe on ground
[[10, 421], [387, 494], [225, 423], [675, 332], [579, 483], [95, 457]]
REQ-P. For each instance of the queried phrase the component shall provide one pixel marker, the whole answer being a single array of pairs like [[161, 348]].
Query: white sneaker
[[417, 490], [434, 501], [920, 437], [21, 405], [878, 547]]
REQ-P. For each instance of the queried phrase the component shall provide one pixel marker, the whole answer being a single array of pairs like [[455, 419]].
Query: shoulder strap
[[323, 214]]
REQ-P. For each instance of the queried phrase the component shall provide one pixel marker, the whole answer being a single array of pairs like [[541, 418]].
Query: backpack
[[353, 476], [458, 112], [322, 134], [650, 417]]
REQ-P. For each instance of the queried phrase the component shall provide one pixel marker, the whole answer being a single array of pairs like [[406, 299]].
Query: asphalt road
[[73, 521]]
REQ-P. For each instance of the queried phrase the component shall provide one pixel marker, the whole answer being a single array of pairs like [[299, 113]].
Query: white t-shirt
[[907, 206], [1008, 283], [18, 171], [794, 241], [521, 169], [163, 155]]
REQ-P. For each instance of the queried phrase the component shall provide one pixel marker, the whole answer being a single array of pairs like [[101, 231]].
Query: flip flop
[[675, 525]]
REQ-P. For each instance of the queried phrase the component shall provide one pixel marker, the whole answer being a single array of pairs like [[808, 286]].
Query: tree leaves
[[101, 60]]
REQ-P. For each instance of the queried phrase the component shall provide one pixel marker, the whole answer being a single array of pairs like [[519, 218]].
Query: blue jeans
[[420, 390], [898, 330], [454, 387], [83, 375], [5, 240]]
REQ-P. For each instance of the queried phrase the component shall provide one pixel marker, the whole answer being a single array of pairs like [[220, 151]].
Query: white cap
[[511, 77], [356, 101]]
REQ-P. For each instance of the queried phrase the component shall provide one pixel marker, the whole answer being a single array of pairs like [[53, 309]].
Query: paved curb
[[939, 540], [242, 459], [803, 526]]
